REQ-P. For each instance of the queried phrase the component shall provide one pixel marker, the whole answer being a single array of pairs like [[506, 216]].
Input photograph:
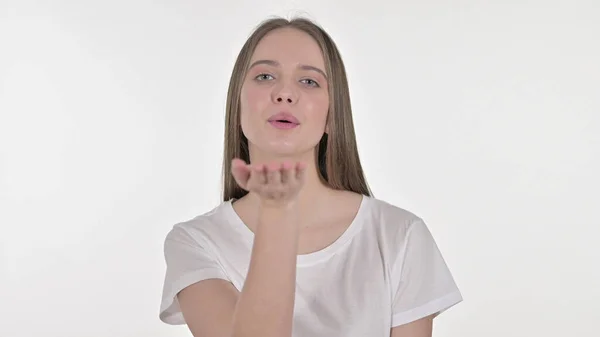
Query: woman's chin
[[284, 150], [281, 149]]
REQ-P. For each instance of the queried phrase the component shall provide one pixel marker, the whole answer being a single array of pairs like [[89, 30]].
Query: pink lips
[[284, 120]]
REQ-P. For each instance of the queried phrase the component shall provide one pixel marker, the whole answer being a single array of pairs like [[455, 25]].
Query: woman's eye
[[263, 77], [310, 82]]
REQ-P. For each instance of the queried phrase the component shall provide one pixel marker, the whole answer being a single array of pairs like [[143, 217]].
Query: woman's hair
[[337, 156]]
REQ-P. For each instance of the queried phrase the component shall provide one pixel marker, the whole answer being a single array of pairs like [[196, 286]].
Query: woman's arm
[[214, 308], [265, 305], [420, 328]]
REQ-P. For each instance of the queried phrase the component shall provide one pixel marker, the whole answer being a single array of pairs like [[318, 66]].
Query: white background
[[480, 117]]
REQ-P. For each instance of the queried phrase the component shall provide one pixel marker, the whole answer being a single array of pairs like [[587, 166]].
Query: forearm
[[266, 304]]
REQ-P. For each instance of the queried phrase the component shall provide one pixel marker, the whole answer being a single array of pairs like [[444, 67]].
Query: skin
[[288, 208]]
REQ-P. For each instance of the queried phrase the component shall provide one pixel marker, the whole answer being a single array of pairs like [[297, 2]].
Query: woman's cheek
[[319, 108], [256, 98]]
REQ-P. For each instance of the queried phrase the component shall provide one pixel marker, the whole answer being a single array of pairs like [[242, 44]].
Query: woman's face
[[287, 77]]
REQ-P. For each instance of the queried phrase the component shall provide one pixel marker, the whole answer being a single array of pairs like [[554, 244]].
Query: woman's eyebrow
[[276, 64]]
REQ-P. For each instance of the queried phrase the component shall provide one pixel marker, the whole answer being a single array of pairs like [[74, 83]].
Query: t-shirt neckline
[[304, 260]]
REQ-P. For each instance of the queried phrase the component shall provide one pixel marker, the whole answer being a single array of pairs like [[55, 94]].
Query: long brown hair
[[337, 154]]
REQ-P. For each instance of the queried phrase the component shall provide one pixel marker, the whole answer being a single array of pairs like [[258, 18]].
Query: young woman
[[299, 246]]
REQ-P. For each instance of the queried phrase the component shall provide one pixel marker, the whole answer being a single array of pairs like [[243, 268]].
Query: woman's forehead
[[289, 47]]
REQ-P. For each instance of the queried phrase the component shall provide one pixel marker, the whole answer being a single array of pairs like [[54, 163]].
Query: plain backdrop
[[482, 117]]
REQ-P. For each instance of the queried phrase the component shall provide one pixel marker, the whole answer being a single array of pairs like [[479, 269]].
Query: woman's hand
[[277, 185]]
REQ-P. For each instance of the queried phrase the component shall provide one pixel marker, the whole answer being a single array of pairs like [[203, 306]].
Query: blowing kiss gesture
[[277, 185]]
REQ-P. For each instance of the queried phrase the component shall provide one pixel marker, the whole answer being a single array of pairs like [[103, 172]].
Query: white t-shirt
[[385, 270]]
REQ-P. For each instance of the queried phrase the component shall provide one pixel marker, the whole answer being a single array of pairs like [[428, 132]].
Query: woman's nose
[[285, 93], [280, 98]]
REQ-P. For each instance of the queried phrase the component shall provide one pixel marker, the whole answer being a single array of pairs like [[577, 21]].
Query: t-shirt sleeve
[[187, 262], [425, 285]]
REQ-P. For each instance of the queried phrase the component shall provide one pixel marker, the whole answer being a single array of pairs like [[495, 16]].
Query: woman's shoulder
[[392, 224], [201, 224], [386, 212], [396, 228]]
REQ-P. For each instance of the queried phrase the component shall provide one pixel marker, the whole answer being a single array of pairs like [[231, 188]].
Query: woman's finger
[[300, 171], [259, 174], [288, 173], [274, 174]]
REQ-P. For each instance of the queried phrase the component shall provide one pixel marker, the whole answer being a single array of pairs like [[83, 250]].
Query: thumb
[[240, 172]]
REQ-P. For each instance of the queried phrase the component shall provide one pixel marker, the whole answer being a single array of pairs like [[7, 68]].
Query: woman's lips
[[279, 124]]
